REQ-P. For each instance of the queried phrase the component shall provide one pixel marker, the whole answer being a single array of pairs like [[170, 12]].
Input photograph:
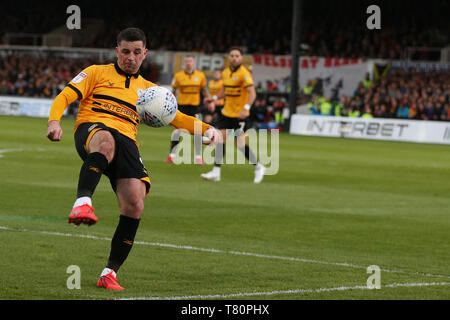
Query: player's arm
[[251, 98], [61, 102], [219, 96], [194, 126], [79, 87], [212, 101]]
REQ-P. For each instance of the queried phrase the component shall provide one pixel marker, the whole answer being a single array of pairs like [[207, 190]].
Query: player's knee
[[103, 142], [133, 207], [107, 149]]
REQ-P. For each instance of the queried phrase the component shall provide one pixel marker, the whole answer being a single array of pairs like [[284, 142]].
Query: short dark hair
[[236, 48], [131, 34]]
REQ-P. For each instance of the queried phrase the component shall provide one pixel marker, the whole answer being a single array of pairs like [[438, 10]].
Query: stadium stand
[[31, 76], [408, 94], [327, 30], [328, 27]]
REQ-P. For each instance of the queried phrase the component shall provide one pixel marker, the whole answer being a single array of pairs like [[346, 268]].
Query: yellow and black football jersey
[[109, 95], [106, 95], [236, 95], [189, 86], [214, 87]]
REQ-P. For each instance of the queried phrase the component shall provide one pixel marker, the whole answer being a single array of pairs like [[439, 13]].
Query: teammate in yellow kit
[[189, 83], [215, 85], [105, 139], [239, 93]]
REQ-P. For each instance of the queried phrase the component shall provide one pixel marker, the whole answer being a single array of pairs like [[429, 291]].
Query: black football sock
[[175, 140], [90, 174], [173, 144], [219, 154], [249, 154], [122, 241]]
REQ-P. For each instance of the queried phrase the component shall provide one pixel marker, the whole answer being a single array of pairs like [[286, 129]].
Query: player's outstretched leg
[[102, 151], [90, 174]]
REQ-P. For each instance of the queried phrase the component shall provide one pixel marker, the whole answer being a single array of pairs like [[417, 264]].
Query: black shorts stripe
[[78, 92], [111, 98], [114, 114]]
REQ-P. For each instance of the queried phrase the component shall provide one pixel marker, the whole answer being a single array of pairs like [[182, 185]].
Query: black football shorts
[[127, 162], [239, 126], [193, 111]]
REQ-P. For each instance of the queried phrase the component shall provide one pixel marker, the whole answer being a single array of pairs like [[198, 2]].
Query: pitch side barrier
[[22, 106], [375, 129]]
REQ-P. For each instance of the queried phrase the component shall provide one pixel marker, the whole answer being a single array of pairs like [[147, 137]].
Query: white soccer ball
[[157, 106]]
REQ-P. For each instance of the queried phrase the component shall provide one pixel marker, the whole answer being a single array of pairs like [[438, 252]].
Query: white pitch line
[[2, 151], [212, 250], [293, 291]]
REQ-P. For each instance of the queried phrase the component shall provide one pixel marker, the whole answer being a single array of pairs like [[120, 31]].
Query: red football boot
[[109, 281], [83, 214], [169, 159]]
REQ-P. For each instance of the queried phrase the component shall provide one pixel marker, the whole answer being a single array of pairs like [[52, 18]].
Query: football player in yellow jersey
[[189, 83], [105, 139], [215, 85], [239, 93]]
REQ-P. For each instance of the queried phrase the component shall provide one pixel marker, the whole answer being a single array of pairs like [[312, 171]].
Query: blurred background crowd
[[407, 94], [328, 29]]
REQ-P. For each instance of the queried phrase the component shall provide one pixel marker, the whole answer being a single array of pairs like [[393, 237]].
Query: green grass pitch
[[335, 207]]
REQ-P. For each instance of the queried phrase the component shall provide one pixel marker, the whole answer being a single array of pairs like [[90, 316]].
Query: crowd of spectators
[[328, 28], [45, 77], [403, 94], [407, 94]]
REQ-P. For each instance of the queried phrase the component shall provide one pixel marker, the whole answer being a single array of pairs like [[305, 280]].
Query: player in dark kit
[[105, 139]]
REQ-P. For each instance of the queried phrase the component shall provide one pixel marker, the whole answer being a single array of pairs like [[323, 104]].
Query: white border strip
[[212, 250], [294, 291]]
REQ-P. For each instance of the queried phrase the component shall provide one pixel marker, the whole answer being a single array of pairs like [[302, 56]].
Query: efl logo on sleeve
[[80, 77]]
